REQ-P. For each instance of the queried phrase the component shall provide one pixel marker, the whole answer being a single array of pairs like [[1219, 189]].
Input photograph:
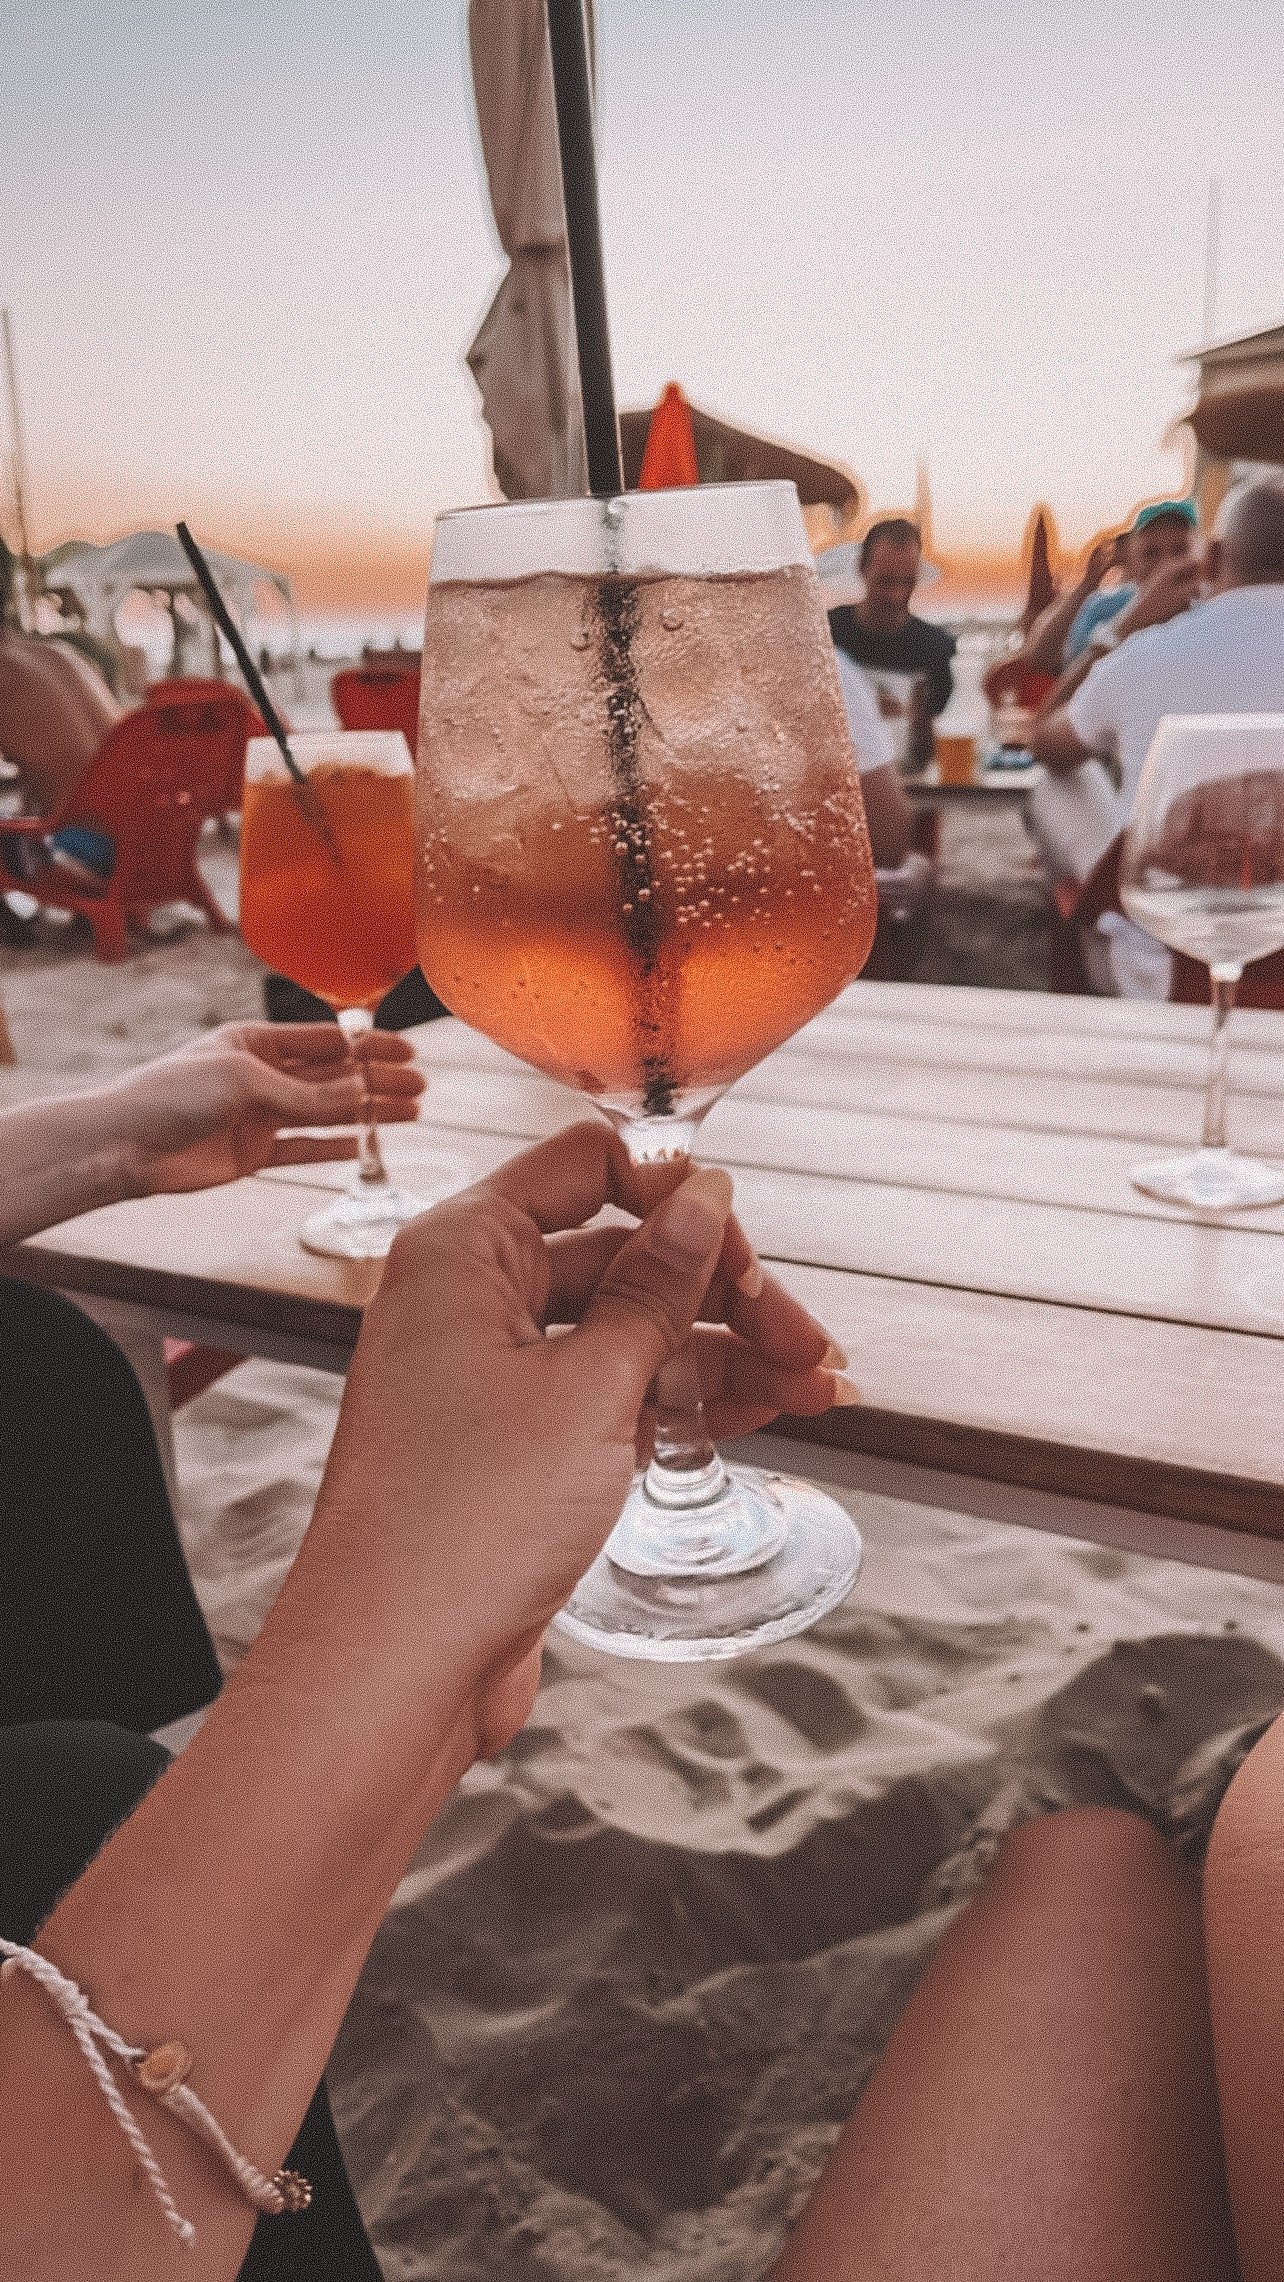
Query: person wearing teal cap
[[1161, 533]]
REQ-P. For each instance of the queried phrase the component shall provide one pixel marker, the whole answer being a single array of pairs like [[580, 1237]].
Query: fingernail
[[846, 1392], [833, 1358], [751, 1279], [687, 1228]]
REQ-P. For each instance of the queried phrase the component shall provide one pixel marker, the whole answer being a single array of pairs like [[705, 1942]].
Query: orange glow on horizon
[[352, 572]]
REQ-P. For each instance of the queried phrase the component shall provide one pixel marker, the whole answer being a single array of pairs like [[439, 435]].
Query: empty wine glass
[[643, 863], [1203, 870]]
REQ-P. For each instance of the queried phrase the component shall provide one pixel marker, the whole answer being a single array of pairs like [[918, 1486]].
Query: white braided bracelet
[[162, 2073]]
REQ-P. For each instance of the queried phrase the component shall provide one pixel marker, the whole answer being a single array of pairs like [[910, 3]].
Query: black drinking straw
[[568, 43], [227, 625], [275, 726], [615, 607]]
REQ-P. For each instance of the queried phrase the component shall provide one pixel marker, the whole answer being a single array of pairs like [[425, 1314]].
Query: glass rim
[[384, 752], [584, 499], [695, 530]]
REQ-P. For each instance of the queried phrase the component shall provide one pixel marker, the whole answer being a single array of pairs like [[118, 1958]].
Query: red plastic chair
[[155, 779], [378, 697], [1074, 908], [1261, 984], [188, 689]]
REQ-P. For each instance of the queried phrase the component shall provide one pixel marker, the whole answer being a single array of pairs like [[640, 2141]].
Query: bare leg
[[1244, 1924], [1046, 2106]]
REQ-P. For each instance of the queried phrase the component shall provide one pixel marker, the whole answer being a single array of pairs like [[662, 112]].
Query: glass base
[[363, 1222], [633, 1603], [1212, 1180]]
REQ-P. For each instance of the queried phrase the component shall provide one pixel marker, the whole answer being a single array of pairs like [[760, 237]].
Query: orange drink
[[955, 759], [327, 897], [339, 920]]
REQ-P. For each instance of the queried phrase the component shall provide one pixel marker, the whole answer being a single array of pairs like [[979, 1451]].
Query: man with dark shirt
[[880, 632]]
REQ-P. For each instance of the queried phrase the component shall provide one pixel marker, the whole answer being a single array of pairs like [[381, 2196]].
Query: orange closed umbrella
[[669, 460]]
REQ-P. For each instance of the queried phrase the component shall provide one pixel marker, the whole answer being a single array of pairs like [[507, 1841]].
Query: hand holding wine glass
[[1203, 870]]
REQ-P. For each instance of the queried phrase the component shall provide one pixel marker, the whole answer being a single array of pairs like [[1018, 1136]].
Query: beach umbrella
[[523, 358], [726, 454], [1242, 424], [1041, 587], [96, 580], [669, 461]]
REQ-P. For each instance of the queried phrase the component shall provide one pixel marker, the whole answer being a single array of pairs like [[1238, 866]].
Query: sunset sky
[[245, 244]]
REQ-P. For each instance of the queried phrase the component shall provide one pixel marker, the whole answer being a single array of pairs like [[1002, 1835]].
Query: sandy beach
[[644, 1963]]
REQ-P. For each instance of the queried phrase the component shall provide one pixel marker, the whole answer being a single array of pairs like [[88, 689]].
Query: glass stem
[[686, 1471], [1225, 983], [355, 1022]]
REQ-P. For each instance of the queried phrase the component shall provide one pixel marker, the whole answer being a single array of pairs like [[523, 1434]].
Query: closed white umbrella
[[523, 358]]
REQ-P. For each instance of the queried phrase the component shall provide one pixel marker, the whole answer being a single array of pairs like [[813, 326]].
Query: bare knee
[[1105, 1851]]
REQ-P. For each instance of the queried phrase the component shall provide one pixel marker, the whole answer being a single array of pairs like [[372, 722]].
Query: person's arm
[[940, 677], [1044, 645], [207, 1114], [888, 815], [887, 811], [477, 1468], [1083, 727]]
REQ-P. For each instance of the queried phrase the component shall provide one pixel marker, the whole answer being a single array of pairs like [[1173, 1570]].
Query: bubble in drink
[[607, 885]]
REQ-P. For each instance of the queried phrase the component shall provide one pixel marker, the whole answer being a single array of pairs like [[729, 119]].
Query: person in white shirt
[[1223, 655], [887, 811]]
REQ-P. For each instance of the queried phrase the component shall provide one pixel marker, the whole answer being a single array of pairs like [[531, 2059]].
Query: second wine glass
[[327, 898], [1203, 870]]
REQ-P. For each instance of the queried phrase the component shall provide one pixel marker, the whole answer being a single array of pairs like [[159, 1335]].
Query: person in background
[[880, 632], [887, 811], [55, 709], [1161, 534], [1223, 655]]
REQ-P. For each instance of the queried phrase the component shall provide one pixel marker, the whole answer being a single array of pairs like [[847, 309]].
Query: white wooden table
[[942, 1175]]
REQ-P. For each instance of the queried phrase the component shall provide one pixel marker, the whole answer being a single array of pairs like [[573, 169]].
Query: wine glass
[[1202, 869], [327, 898], [643, 863]]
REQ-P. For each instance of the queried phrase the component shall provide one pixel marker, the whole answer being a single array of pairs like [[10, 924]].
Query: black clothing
[[410, 1001], [101, 1638], [917, 647]]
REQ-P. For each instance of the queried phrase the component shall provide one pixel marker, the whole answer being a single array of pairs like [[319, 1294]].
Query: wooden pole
[[18, 460]]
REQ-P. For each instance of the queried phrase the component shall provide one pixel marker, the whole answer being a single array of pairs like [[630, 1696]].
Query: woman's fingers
[[743, 1390], [300, 1047], [649, 1296], [313, 1148], [563, 1182], [774, 1323]]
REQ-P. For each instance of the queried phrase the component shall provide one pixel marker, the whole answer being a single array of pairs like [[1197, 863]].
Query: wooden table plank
[[1042, 1011], [1152, 1415], [230, 1254], [1086, 1171]]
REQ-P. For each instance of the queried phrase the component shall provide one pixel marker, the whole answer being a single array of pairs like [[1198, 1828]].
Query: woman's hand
[[217, 1110], [483, 1455]]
